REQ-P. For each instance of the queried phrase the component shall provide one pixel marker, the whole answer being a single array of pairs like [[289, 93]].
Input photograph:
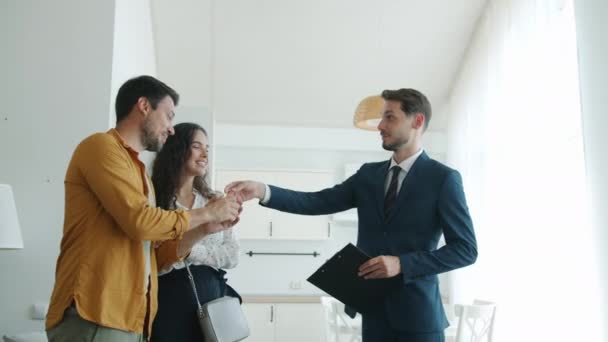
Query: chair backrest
[[332, 330], [486, 302], [339, 326], [475, 322]]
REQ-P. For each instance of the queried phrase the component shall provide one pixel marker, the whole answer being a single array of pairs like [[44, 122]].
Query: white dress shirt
[[217, 250], [405, 166]]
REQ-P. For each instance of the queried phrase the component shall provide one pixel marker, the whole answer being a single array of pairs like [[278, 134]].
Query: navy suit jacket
[[431, 201]]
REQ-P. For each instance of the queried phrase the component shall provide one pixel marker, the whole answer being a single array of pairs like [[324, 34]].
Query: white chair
[[338, 326], [475, 322], [491, 329], [450, 332]]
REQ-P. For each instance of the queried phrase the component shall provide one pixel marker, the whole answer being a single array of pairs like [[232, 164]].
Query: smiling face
[[158, 125], [198, 155]]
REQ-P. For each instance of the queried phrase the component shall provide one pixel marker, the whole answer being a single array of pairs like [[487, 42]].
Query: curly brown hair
[[168, 166]]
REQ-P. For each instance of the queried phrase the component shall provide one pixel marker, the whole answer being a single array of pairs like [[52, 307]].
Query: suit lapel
[[408, 183], [379, 181]]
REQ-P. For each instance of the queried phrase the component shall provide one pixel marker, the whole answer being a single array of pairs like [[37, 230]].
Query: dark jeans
[[176, 319]]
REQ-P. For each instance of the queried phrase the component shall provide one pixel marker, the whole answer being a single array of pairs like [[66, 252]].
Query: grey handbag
[[222, 319]]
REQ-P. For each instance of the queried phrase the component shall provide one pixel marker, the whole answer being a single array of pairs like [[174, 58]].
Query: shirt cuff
[[182, 224], [266, 195], [166, 255]]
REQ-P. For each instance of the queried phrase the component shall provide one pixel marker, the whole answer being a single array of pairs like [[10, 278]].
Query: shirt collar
[[199, 201], [113, 132], [406, 165]]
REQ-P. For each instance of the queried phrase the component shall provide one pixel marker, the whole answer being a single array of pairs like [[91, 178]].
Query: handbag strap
[[198, 302]]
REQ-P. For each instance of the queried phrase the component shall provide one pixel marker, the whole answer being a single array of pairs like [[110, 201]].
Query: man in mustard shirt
[[106, 275]]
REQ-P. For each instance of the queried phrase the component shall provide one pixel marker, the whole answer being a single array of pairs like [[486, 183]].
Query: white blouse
[[217, 250]]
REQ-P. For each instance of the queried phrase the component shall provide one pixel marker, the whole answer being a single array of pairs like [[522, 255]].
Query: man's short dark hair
[[142, 86], [412, 101]]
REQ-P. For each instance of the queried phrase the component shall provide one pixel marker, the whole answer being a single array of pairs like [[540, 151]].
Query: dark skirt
[[176, 319]]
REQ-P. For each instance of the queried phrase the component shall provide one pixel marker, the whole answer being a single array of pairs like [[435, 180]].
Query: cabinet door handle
[[270, 228], [328, 229], [271, 313]]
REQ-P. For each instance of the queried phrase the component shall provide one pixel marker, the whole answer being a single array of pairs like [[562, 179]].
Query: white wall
[[56, 66], [183, 36], [307, 63], [591, 26]]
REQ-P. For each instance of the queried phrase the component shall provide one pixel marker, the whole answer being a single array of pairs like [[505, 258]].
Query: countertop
[[281, 299]]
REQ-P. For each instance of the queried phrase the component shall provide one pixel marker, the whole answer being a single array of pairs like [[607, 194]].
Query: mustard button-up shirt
[[101, 264]]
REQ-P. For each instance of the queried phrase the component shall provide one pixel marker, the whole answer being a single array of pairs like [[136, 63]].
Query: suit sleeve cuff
[[266, 197]]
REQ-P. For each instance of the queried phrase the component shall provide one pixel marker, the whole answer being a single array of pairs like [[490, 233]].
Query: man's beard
[[394, 146], [151, 142]]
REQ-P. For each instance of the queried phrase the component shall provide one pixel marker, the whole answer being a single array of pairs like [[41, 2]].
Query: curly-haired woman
[[179, 181]]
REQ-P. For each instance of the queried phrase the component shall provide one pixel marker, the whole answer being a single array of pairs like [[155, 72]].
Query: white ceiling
[[308, 62]]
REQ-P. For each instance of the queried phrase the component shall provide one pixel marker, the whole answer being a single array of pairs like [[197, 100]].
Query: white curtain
[[515, 134]]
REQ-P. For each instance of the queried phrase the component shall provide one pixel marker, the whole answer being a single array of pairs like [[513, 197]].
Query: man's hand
[[210, 228], [224, 209], [246, 190], [384, 266], [227, 206]]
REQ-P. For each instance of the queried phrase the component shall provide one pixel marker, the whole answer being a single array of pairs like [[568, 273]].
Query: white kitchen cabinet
[[285, 322], [261, 322], [299, 322], [258, 222]]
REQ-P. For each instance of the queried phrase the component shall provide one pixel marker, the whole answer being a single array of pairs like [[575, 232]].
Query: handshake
[[225, 209]]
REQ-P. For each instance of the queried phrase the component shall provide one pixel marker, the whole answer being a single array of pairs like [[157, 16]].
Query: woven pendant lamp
[[369, 112]]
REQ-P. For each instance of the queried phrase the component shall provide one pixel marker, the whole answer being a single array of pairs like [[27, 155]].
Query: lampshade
[[10, 233], [369, 112]]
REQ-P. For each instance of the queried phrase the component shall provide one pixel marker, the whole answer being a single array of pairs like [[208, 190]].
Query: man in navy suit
[[404, 205]]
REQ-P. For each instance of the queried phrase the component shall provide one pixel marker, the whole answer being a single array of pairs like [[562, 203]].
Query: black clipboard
[[338, 277]]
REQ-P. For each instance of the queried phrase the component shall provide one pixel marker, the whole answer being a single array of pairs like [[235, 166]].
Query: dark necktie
[[391, 193]]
